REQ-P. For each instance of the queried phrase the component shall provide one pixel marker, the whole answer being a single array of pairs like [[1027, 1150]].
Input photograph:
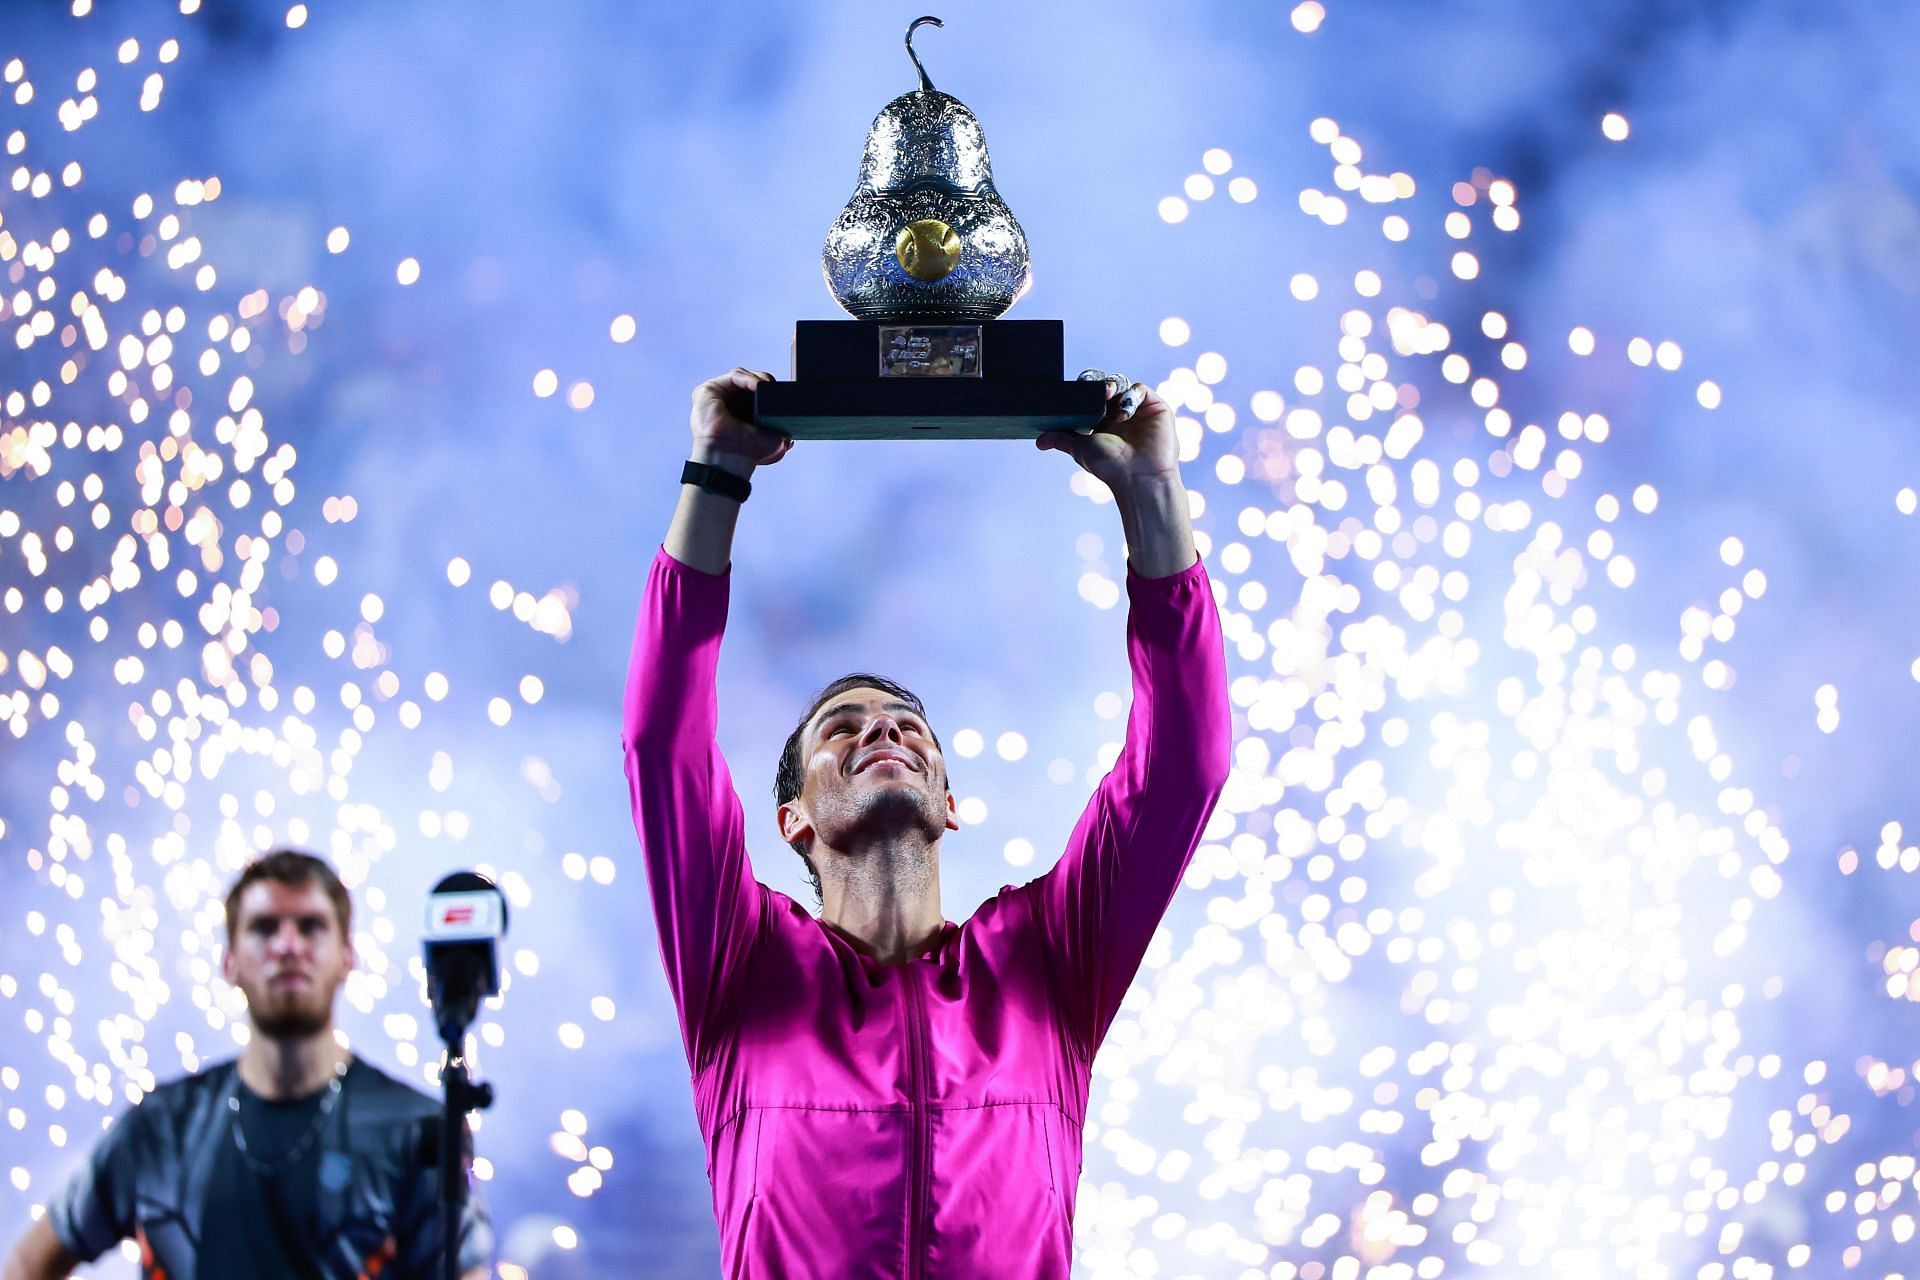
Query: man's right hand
[[723, 433], [701, 535]]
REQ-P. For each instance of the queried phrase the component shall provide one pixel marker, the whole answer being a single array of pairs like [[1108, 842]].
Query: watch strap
[[716, 481]]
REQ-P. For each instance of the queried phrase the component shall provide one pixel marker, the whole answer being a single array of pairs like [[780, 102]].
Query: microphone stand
[[462, 929], [461, 1095]]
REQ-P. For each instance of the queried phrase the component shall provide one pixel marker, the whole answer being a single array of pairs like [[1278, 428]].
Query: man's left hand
[[1135, 441]]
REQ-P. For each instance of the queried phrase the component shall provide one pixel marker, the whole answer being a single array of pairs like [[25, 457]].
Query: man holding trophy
[[883, 1092]]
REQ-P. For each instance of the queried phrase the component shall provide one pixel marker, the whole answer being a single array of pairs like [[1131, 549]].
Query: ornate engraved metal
[[926, 236]]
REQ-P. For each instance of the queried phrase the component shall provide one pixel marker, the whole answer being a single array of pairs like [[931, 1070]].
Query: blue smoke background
[[553, 165]]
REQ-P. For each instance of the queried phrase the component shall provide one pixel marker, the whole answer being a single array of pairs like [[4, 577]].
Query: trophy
[[926, 256]]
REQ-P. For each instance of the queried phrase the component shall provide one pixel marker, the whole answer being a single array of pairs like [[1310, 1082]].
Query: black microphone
[[466, 918]]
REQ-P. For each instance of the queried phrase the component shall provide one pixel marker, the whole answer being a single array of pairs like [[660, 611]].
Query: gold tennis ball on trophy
[[927, 249]]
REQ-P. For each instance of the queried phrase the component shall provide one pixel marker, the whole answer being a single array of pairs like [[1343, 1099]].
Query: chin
[[899, 805], [289, 1019]]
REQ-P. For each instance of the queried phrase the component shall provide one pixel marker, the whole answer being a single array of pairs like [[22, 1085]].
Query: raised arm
[[1100, 904], [1135, 452], [691, 828], [701, 535]]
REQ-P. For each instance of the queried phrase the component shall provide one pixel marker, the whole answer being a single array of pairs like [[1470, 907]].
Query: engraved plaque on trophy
[[926, 256]]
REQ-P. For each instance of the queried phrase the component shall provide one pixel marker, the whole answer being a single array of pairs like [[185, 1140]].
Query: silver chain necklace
[[266, 1169]]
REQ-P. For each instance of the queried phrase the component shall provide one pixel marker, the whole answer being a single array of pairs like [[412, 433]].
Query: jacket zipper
[[917, 1157]]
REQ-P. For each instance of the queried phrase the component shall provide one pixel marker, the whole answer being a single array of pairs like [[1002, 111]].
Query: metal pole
[[453, 1162]]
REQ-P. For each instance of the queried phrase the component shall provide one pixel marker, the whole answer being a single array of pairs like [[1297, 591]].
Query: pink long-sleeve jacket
[[918, 1120]]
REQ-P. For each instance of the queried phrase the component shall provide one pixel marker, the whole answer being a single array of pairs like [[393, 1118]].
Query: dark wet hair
[[291, 867], [790, 776]]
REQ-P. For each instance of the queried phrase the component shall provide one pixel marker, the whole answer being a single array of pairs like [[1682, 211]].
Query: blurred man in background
[[297, 1160]]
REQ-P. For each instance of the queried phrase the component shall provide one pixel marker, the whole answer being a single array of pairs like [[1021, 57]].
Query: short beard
[[297, 1021], [890, 812]]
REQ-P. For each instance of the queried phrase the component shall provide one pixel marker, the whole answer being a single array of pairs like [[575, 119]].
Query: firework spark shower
[[1545, 389]]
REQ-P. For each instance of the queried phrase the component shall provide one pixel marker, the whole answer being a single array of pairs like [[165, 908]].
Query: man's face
[[288, 956], [870, 769]]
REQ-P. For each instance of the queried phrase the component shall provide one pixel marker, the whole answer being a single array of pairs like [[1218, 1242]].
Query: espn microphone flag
[[463, 917], [466, 916]]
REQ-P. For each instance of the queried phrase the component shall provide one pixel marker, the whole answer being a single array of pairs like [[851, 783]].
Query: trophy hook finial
[[926, 85]]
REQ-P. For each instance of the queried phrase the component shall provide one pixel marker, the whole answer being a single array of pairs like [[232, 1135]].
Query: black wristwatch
[[715, 480]]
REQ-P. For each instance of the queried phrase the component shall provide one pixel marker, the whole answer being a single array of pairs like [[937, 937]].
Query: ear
[[227, 964], [793, 822], [953, 817]]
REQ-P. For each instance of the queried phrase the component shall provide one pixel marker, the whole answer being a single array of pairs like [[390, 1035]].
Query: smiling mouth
[[885, 757]]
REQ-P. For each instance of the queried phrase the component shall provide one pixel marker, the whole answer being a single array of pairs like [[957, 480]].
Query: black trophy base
[[887, 380]]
